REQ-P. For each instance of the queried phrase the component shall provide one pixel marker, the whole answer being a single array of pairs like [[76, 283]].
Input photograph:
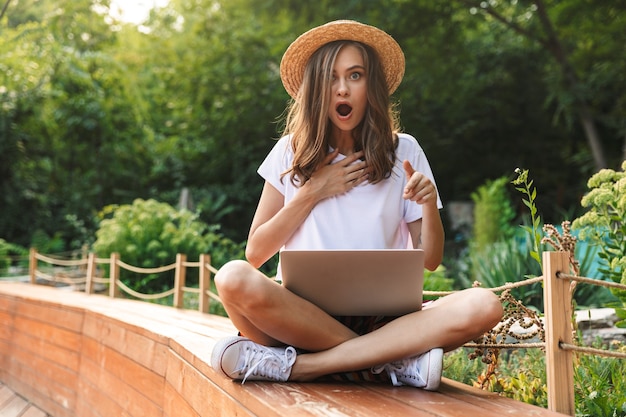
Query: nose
[[342, 87]]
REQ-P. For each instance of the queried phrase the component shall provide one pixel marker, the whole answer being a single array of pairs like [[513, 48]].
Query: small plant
[[525, 186], [492, 214], [521, 374], [599, 384], [605, 225]]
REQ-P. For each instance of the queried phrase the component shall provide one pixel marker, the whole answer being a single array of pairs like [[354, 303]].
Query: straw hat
[[300, 51]]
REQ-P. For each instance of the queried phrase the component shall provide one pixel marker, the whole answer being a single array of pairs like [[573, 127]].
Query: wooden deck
[[81, 355], [13, 405]]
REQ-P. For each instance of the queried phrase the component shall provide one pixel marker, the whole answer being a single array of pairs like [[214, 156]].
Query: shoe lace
[[405, 368], [267, 363]]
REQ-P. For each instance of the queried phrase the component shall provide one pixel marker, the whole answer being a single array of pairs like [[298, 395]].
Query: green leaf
[[535, 256], [621, 313]]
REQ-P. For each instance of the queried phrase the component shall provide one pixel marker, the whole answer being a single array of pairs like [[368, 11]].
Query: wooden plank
[[5, 394], [558, 316], [33, 411], [39, 347], [63, 317], [57, 400], [8, 400], [495, 402], [47, 331], [142, 349], [176, 406], [95, 399], [127, 382], [14, 407]]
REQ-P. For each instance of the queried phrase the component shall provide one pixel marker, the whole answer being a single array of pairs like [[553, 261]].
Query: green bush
[[7, 252], [149, 234], [492, 214]]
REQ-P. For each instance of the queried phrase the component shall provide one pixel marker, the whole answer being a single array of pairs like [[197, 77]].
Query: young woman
[[343, 177]]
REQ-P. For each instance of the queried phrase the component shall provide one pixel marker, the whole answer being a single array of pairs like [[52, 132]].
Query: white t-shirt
[[370, 216]]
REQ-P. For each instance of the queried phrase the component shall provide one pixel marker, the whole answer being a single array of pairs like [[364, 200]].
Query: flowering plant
[[605, 225]]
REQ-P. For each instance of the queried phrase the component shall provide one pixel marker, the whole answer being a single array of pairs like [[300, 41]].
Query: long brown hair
[[308, 122]]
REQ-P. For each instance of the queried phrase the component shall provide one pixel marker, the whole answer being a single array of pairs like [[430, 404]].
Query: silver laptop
[[356, 282]]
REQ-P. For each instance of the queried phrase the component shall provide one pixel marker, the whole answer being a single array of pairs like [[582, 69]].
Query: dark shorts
[[364, 324]]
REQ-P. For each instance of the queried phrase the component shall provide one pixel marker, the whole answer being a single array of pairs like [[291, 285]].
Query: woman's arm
[[427, 233]]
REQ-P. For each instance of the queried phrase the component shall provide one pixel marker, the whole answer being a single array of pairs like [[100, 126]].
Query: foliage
[[7, 252], [149, 234], [437, 281], [525, 186], [496, 255], [504, 262], [605, 225], [98, 112], [492, 214], [599, 384], [520, 374], [70, 132]]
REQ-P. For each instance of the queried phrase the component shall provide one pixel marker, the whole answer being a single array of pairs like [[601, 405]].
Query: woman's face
[[349, 89]]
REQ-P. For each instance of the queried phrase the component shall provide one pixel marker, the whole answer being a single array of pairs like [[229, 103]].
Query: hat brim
[[299, 52]]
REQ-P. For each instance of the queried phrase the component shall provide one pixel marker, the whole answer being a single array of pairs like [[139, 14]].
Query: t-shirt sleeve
[[276, 163]]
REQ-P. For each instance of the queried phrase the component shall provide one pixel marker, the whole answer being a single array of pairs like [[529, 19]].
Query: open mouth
[[344, 109]]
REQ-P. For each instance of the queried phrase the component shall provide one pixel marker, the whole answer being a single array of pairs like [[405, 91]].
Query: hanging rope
[[592, 281], [593, 351]]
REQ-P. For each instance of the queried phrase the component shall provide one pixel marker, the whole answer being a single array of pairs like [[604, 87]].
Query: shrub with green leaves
[[7, 251], [149, 234], [599, 384], [605, 225], [492, 213]]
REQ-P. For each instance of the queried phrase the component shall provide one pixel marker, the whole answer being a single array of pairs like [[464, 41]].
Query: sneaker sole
[[435, 365]]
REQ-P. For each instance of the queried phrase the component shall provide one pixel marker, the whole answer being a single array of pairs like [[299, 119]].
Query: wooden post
[[32, 265], [558, 317], [179, 279], [205, 283], [114, 290], [91, 271]]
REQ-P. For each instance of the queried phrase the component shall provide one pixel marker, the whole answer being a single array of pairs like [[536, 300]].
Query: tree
[[69, 127], [556, 26]]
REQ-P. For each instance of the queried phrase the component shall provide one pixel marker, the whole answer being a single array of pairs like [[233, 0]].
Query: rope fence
[[85, 272], [552, 333]]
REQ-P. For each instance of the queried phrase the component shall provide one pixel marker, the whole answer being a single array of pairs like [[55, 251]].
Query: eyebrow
[[352, 68]]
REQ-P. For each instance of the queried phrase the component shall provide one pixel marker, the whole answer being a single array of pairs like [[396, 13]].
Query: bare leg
[[270, 315], [448, 323]]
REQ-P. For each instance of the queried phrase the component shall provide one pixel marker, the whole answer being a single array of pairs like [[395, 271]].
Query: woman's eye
[[355, 76]]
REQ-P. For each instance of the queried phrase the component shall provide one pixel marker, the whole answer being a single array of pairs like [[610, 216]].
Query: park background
[[109, 126], [96, 111]]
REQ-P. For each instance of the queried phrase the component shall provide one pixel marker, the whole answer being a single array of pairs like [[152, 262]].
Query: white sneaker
[[242, 359], [423, 371]]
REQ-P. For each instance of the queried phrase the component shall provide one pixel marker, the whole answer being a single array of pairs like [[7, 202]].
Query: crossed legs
[[270, 315]]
